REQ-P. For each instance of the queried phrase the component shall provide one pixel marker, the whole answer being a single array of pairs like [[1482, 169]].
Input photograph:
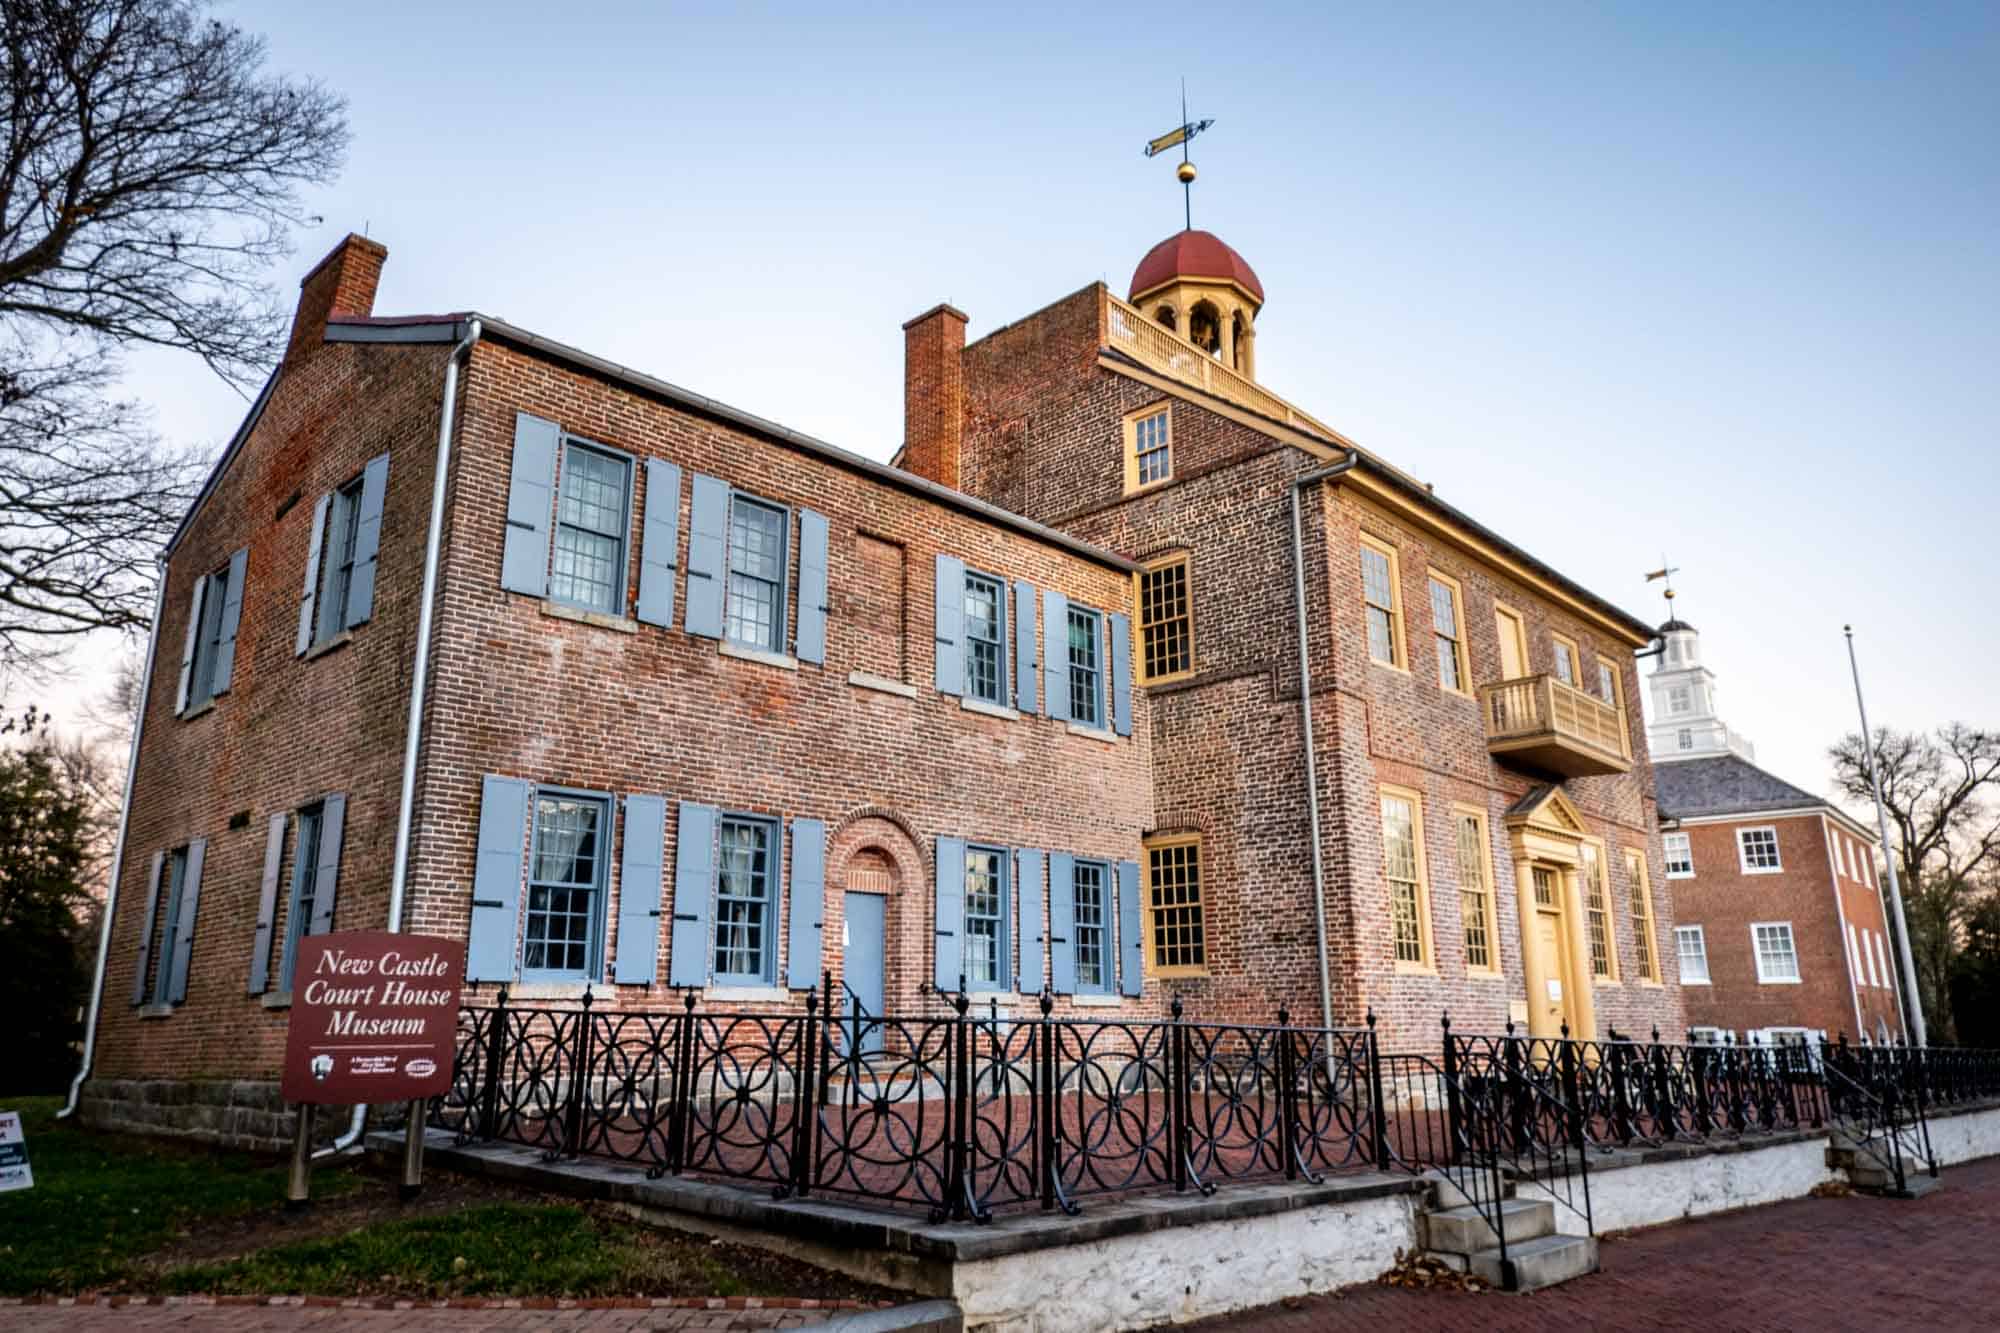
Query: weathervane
[[1667, 572], [1180, 134]]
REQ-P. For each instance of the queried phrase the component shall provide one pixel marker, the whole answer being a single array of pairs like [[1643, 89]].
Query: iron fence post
[[1177, 1095], [804, 1114], [579, 1079], [683, 1113], [1572, 1095], [1046, 1097], [958, 1185], [1458, 1147], [1378, 1109], [1517, 1093], [1287, 1095], [489, 1108], [1621, 1097]]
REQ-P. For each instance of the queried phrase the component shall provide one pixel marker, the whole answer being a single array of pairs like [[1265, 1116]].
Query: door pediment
[[1544, 825]]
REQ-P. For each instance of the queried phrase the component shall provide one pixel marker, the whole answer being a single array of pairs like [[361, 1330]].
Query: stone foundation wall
[[228, 1113], [1965, 1135], [1677, 1184]]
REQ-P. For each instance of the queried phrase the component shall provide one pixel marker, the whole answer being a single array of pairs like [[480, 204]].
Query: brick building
[[1127, 678], [1782, 934]]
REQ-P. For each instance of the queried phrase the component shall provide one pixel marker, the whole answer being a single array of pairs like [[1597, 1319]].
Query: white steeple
[[1685, 724]]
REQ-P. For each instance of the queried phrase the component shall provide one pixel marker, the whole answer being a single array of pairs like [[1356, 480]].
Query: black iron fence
[[967, 1112]]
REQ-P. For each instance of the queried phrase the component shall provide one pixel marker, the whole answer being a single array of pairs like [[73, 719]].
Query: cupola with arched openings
[[1196, 285]]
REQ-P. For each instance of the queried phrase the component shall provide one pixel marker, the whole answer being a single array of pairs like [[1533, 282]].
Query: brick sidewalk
[[246, 1318], [1816, 1265]]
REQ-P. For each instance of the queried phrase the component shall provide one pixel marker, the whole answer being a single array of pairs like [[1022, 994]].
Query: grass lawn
[[112, 1212]]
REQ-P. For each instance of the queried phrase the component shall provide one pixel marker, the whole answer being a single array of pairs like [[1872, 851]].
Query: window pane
[[1176, 889], [1607, 686], [1693, 949], [1084, 634], [1565, 664], [1776, 958], [589, 561], [1164, 624], [1444, 616], [1381, 635], [743, 901], [1760, 848], [1596, 913], [985, 609], [560, 930], [985, 905], [1092, 964], [566, 840], [1679, 855], [593, 491], [1642, 916], [1474, 891], [586, 568], [1150, 443], [1399, 860], [756, 574]]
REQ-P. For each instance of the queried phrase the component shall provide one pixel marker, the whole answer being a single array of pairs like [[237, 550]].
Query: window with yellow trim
[[1165, 613], [1177, 940], [1567, 659], [1475, 890], [1447, 627], [1642, 916], [1403, 868], [1149, 446], [1597, 914], [1382, 602]]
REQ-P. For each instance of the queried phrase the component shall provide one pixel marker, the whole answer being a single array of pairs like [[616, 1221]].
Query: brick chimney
[[934, 393], [341, 284]]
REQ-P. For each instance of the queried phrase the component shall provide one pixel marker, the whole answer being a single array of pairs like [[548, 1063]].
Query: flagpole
[[1913, 1010]]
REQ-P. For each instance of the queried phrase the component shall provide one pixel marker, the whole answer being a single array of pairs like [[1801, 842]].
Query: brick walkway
[[246, 1318], [1818, 1265]]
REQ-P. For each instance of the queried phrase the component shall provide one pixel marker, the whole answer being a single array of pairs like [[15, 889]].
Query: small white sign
[[14, 1171], [1555, 991]]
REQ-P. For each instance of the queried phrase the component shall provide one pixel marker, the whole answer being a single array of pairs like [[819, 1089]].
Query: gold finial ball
[[1186, 173], [1670, 594]]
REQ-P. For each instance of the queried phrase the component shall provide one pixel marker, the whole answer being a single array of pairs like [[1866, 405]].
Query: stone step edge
[[117, 1300]]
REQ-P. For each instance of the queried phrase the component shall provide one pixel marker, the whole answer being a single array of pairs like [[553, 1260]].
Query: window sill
[[276, 999], [156, 1011], [1680, 874], [864, 680], [1780, 981], [1148, 487], [321, 649], [559, 990], [746, 995], [1484, 974], [205, 706], [1415, 970], [987, 709], [985, 999], [1389, 666], [563, 611], [1099, 734], [1097, 1001], [1686, 982], [783, 661], [1605, 983]]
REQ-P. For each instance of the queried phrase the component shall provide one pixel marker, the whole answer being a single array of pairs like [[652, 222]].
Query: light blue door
[[862, 968]]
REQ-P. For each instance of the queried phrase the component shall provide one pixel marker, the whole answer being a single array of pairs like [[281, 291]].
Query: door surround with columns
[[1544, 829]]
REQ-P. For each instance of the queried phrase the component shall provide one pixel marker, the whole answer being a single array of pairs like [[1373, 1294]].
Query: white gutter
[[117, 855], [419, 678], [1306, 722]]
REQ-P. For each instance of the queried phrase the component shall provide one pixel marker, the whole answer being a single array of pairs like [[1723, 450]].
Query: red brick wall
[[1725, 902]]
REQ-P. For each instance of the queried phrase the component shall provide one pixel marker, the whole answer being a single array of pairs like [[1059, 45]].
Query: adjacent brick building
[[1782, 933], [708, 704]]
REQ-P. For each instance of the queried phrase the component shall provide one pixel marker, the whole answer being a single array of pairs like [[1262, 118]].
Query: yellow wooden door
[[1513, 644], [1552, 1005]]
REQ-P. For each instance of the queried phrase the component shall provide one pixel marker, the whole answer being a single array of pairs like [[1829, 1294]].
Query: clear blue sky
[[1718, 281]]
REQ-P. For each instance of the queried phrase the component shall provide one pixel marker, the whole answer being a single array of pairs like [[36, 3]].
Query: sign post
[[374, 1014]]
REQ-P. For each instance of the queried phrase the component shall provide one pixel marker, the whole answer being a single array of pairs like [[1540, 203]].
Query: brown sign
[[373, 1017]]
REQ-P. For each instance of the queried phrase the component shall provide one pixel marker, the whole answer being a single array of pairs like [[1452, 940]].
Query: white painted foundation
[[1960, 1138], [1656, 1192], [1185, 1273]]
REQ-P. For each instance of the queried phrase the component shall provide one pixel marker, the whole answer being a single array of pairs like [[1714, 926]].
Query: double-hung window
[[177, 866], [1597, 914], [1692, 945], [1445, 620], [1086, 666], [1152, 456], [1679, 855], [746, 904], [986, 952], [1642, 915], [562, 937], [1566, 657], [1380, 604], [593, 510], [1680, 699], [208, 639], [1475, 891], [336, 576], [1777, 955], [1174, 906], [1092, 927], [1403, 867], [755, 611], [305, 883], [985, 638], [1166, 623], [1757, 849]]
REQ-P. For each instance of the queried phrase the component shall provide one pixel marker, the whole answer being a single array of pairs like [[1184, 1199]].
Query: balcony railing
[[1164, 350], [1541, 723]]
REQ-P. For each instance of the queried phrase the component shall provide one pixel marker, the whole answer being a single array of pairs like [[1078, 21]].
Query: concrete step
[[1542, 1262], [1466, 1230], [1478, 1188], [1916, 1184]]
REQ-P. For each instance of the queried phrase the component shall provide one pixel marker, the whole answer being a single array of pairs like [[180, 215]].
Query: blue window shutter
[[694, 886], [188, 647], [1121, 673], [808, 906], [267, 904], [326, 875], [1055, 657], [1028, 917], [309, 595], [232, 617], [641, 870], [1131, 939], [531, 505], [813, 608], [708, 537], [367, 542], [1027, 690], [177, 981], [1062, 923], [950, 915], [659, 546], [950, 630], [496, 879], [146, 927]]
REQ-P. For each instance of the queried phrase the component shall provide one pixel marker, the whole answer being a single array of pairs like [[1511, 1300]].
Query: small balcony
[[1540, 724]]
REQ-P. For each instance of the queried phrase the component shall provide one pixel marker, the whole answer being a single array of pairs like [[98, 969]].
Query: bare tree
[[149, 177], [1946, 838]]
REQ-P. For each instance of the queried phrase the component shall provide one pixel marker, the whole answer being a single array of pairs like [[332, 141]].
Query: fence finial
[[1371, 1018], [1176, 1009], [1049, 1002], [589, 996], [1444, 1020], [1656, 1034]]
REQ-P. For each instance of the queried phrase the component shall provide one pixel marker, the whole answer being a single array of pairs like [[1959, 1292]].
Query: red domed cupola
[[1193, 254], [1197, 286]]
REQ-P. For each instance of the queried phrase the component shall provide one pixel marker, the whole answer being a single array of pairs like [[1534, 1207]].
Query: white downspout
[[117, 855], [419, 678], [1306, 722]]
